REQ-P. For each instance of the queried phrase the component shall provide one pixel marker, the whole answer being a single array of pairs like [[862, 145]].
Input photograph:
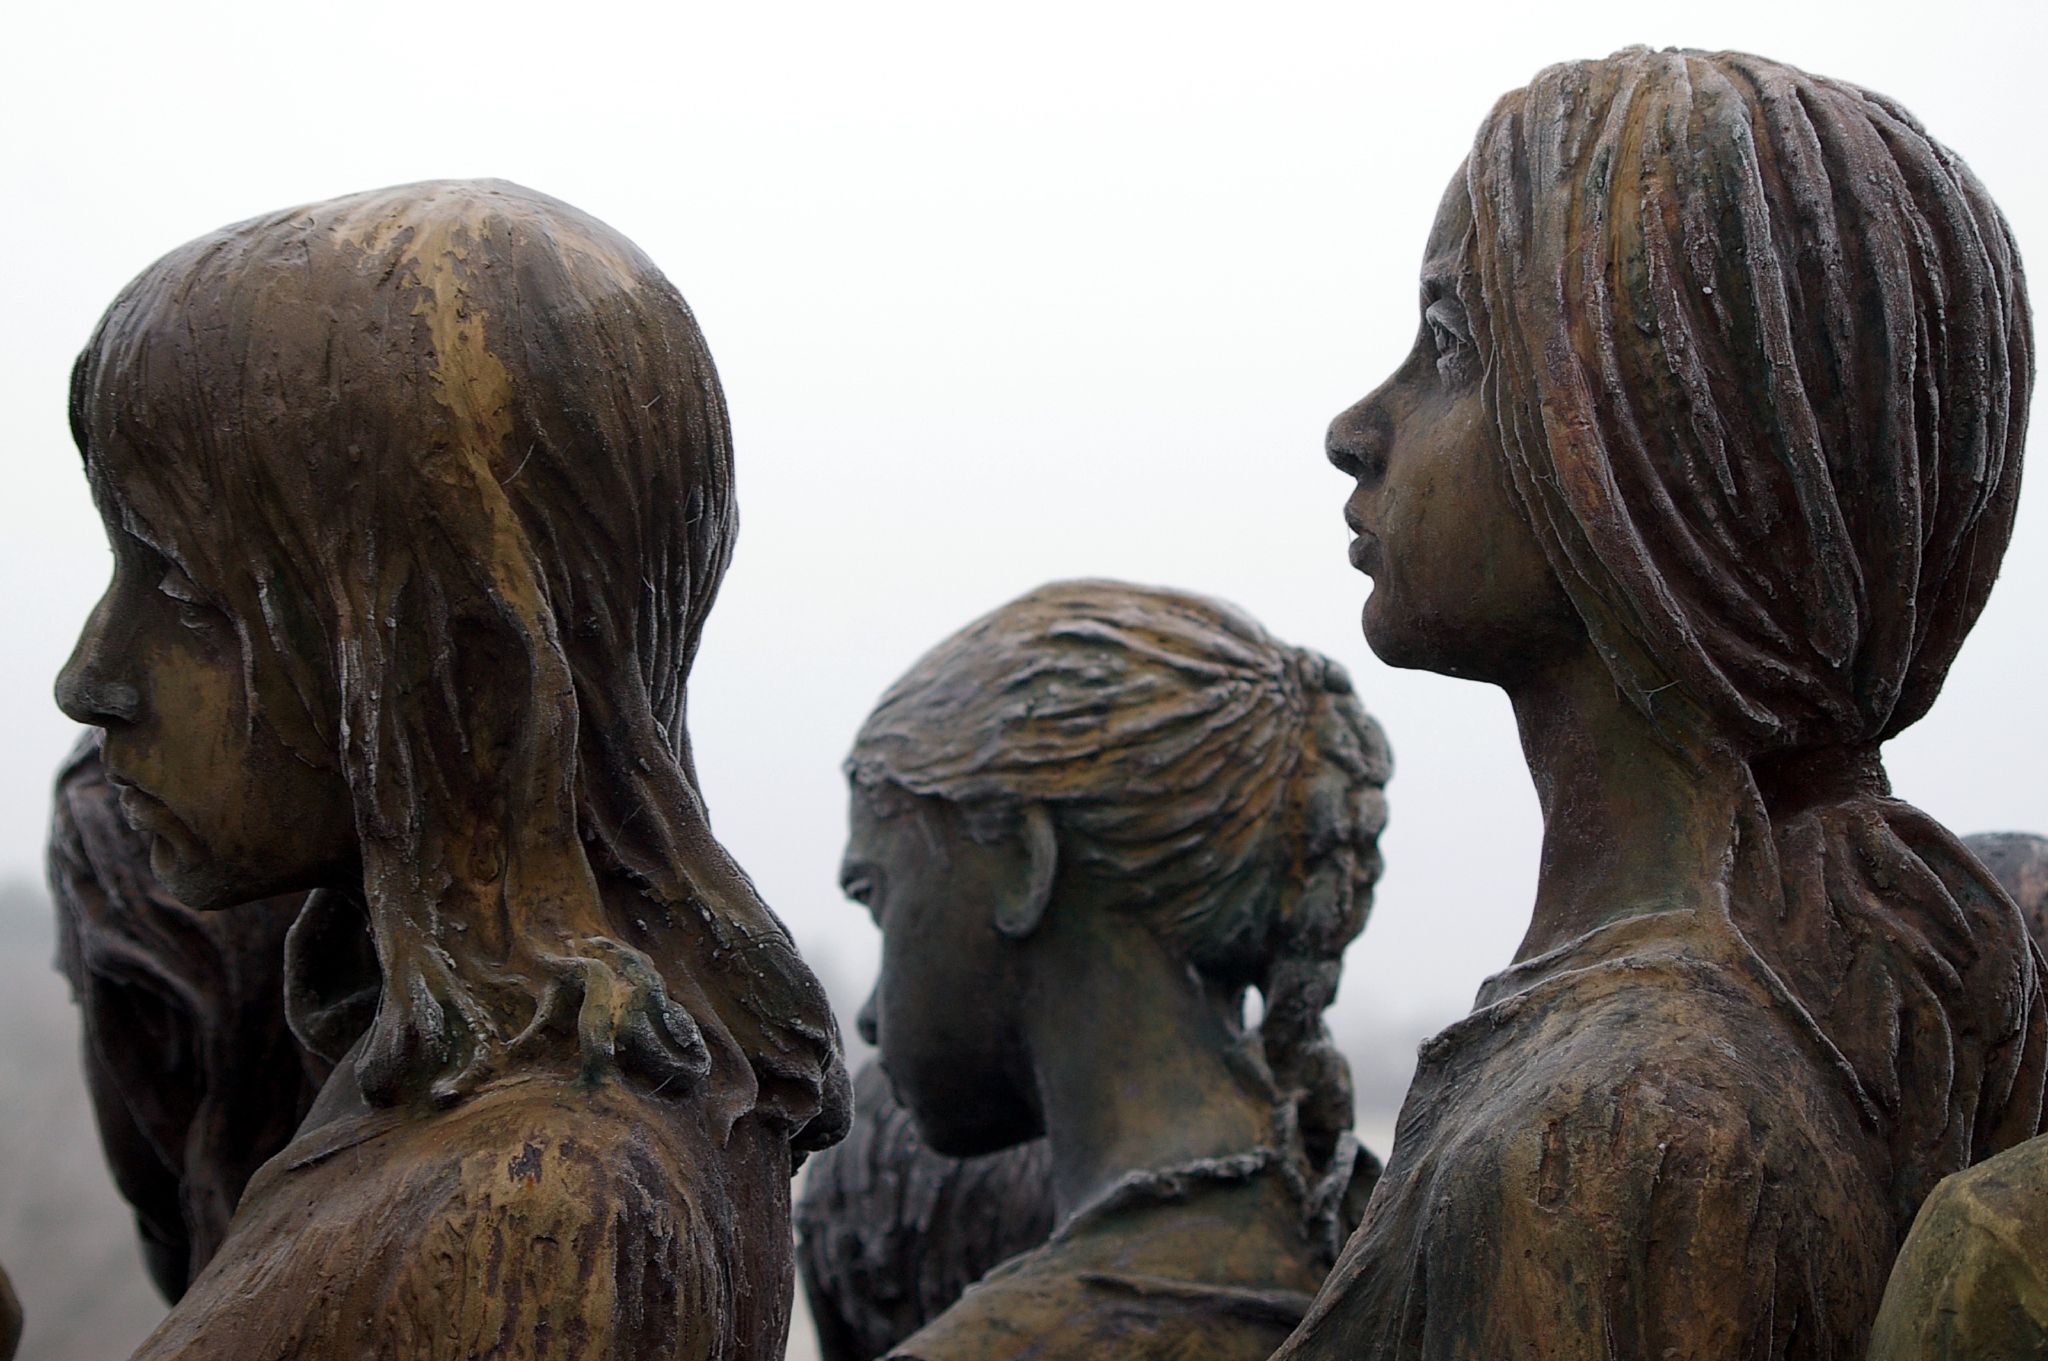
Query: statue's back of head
[[2019, 861]]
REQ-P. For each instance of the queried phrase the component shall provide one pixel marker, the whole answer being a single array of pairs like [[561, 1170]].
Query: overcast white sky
[[999, 293]]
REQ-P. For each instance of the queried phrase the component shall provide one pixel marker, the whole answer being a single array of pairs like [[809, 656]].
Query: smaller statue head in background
[[2019, 861], [1095, 822]]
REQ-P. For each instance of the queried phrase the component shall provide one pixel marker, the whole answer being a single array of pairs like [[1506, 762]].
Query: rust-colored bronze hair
[[1760, 353], [456, 454]]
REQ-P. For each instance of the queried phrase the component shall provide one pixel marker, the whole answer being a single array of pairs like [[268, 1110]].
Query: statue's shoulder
[[1617, 1166], [1972, 1279], [1646, 1109], [1049, 1306], [532, 1220]]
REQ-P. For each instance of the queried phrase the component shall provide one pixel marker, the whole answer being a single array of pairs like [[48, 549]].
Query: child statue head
[[419, 499], [1148, 775]]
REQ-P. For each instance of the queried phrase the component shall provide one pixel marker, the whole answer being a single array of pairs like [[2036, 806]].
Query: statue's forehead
[[1445, 255]]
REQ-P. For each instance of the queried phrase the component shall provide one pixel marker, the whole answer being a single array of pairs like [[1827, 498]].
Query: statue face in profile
[[419, 499], [233, 811], [390, 483], [944, 1009], [1460, 585], [1706, 453]]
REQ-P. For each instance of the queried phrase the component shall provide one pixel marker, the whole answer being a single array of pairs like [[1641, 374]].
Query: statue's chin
[[1433, 644], [1390, 637], [197, 887], [206, 882], [973, 1129]]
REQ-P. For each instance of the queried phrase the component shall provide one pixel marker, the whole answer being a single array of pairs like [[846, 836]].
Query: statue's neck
[[1629, 825], [331, 979], [1128, 1054]]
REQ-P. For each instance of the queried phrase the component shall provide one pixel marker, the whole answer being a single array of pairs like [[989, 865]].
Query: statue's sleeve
[[560, 1249]]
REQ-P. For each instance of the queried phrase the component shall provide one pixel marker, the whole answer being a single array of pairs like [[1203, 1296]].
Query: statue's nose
[[1358, 440]]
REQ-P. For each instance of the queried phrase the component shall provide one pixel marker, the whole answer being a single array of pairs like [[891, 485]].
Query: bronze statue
[[418, 500], [890, 1233], [195, 1078], [10, 1318], [1088, 825], [2019, 861], [1706, 453], [1971, 1282]]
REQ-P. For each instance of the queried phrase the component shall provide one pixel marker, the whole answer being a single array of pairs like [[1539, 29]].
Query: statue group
[[425, 1017]]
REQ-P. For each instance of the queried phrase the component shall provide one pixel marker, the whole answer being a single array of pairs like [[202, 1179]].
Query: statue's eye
[[1448, 331], [860, 888], [194, 611]]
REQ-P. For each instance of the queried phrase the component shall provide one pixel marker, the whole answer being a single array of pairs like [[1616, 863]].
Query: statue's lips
[[150, 815], [139, 808], [1365, 553]]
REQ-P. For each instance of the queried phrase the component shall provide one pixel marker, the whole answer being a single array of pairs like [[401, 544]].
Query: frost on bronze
[[1088, 826], [418, 501], [1707, 454]]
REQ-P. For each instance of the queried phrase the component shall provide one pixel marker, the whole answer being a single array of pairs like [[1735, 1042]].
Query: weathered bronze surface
[[418, 502], [1971, 1284], [1972, 1281], [195, 1078], [1706, 453], [1087, 825], [2019, 861], [890, 1233]]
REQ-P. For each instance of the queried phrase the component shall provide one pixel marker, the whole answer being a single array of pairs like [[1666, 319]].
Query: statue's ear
[[1022, 905]]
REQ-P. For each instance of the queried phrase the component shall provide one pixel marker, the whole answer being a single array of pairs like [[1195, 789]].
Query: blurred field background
[[66, 1237]]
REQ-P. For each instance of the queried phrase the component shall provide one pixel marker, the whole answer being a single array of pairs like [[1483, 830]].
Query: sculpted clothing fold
[[1113, 1280], [1636, 1146]]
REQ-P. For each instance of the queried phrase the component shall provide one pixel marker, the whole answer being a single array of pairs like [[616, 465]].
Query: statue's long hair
[[1229, 784], [456, 456], [1759, 355]]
